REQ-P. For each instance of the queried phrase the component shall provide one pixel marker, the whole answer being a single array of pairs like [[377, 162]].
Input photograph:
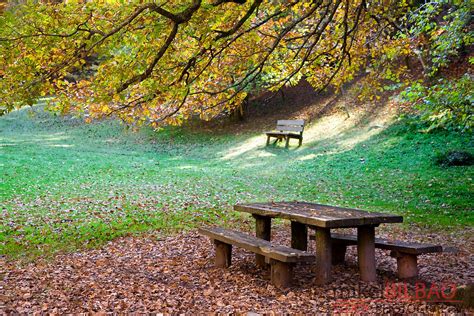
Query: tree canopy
[[164, 61]]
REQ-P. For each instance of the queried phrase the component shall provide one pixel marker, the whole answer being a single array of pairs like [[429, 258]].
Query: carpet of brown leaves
[[176, 274]]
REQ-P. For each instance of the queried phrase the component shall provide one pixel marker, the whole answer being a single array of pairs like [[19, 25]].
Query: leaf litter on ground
[[175, 274]]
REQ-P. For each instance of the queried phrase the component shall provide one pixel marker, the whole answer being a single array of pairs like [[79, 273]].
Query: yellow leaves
[[198, 74]]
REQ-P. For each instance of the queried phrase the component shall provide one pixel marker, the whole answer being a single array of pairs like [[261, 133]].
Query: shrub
[[447, 104], [455, 158]]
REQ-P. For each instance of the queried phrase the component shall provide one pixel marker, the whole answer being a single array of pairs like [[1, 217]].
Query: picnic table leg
[[281, 273], [299, 236], [268, 140], [223, 254], [263, 230], [287, 141], [406, 265], [366, 253], [323, 255]]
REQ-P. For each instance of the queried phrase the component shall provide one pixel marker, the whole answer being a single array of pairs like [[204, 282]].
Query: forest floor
[[69, 190], [175, 274]]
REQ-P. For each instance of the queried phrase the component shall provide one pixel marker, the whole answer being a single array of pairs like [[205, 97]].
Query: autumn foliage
[[152, 63]]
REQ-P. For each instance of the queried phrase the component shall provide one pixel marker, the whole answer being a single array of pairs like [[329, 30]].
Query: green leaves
[[161, 64], [448, 104], [440, 29]]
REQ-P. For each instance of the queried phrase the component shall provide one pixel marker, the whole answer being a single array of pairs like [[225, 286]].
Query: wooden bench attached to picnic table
[[287, 129], [281, 258], [405, 252], [330, 247]]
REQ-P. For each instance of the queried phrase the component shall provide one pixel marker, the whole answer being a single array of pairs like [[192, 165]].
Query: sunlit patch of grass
[[248, 148], [65, 185]]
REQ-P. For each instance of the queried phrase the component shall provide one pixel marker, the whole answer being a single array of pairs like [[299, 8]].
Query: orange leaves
[[103, 58]]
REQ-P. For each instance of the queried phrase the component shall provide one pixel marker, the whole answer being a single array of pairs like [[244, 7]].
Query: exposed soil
[[176, 274], [297, 102]]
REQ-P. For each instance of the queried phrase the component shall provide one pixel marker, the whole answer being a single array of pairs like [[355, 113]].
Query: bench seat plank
[[257, 245], [405, 252], [277, 133], [395, 245]]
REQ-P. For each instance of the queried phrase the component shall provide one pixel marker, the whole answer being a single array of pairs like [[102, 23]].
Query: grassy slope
[[66, 185]]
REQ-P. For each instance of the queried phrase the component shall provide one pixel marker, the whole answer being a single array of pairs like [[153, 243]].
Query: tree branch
[[144, 75]]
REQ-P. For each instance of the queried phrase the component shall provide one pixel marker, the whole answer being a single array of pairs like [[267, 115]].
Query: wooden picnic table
[[321, 218]]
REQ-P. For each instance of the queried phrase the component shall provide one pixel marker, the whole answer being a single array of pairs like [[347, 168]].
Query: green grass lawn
[[66, 185]]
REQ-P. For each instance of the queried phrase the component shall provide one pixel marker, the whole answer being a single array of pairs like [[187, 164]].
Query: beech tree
[[163, 61]]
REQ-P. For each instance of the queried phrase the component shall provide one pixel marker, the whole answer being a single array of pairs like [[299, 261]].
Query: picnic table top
[[318, 215]]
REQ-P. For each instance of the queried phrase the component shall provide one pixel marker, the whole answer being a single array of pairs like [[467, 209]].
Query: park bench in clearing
[[281, 258], [287, 129], [405, 252]]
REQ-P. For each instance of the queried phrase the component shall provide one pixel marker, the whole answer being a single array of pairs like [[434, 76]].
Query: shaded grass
[[66, 185]]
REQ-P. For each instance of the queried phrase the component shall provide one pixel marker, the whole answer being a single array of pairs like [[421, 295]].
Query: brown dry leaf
[[176, 275]]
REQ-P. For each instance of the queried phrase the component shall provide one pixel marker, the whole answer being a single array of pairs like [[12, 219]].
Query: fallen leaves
[[176, 274]]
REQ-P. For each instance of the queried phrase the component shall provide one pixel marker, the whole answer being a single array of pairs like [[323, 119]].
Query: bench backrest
[[290, 126]]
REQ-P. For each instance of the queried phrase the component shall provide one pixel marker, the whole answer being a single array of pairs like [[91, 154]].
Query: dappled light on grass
[[45, 139], [64, 198], [186, 167], [248, 149], [7, 144], [344, 133], [61, 145], [309, 157], [337, 131], [53, 137]]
